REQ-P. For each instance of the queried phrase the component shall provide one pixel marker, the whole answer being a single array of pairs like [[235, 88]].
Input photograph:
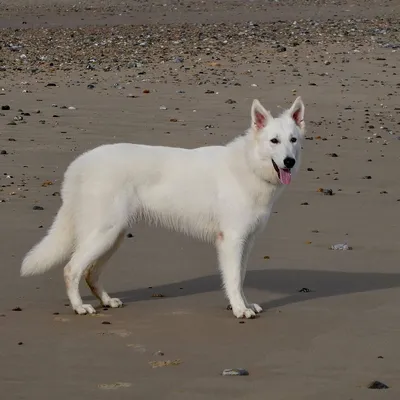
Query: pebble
[[305, 290], [5, 108], [341, 246], [37, 208], [377, 385], [235, 372]]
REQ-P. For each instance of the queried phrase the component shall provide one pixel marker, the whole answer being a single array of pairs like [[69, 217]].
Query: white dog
[[223, 194]]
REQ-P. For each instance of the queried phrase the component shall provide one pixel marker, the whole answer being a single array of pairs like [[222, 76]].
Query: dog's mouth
[[284, 174]]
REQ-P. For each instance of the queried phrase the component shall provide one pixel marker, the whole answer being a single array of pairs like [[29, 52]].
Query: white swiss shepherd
[[222, 194]]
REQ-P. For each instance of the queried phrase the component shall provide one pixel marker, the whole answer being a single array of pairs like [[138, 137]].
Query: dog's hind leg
[[93, 273], [97, 245]]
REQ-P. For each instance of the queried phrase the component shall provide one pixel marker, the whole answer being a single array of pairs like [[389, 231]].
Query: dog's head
[[278, 140]]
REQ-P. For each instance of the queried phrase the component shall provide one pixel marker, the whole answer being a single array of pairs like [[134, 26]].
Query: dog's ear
[[297, 112], [259, 116]]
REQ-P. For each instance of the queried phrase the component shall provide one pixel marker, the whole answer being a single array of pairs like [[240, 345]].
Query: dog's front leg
[[230, 252], [248, 245]]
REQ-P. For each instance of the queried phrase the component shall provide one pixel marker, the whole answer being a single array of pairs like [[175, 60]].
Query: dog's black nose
[[289, 162]]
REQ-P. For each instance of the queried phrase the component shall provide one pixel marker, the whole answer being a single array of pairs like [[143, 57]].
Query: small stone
[[304, 204], [230, 101], [51, 85], [305, 290], [235, 372], [367, 177], [341, 246], [3, 152], [5, 108], [129, 235], [377, 385], [37, 208], [17, 309], [20, 343], [90, 86], [106, 323]]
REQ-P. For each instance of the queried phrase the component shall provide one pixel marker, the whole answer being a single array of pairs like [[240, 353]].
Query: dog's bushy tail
[[54, 248]]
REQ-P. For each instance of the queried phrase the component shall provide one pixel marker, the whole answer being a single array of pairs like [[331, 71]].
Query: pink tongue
[[285, 176]]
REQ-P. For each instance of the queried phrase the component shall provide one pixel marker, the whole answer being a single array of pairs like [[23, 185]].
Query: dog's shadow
[[289, 282]]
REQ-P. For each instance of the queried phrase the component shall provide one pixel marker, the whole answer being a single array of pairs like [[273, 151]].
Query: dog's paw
[[256, 308], [85, 309], [244, 313], [113, 303]]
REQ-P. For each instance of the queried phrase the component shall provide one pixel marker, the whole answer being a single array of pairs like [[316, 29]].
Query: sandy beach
[[184, 73]]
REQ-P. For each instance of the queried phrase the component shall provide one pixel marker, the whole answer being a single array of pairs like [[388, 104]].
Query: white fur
[[222, 194]]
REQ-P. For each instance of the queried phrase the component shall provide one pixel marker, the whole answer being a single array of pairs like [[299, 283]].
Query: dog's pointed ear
[[259, 116], [297, 112]]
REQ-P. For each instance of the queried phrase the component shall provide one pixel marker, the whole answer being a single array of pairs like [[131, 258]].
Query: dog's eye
[[293, 140], [274, 141]]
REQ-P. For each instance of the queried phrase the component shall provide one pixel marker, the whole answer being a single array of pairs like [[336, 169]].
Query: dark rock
[[305, 290], [377, 385]]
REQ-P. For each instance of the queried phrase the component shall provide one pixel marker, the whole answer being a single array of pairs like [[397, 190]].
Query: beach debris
[[341, 246], [116, 385], [167, 363], [235, 372]]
